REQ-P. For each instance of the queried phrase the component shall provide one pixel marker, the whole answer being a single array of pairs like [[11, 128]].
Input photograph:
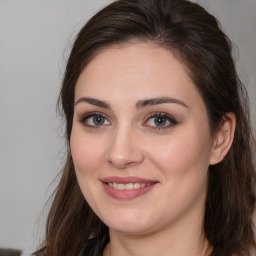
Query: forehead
[[132, 71]]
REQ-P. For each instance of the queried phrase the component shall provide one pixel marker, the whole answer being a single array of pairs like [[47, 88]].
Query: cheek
[[185, 153], [85, 152], [183, 164]]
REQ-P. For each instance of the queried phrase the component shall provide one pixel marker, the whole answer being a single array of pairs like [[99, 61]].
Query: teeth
[[120, 186], [136, 185], [128, 186]]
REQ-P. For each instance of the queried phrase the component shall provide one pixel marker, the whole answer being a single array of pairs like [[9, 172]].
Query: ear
[[223, 138]]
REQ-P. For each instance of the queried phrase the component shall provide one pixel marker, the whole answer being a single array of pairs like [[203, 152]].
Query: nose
[[124, 149]]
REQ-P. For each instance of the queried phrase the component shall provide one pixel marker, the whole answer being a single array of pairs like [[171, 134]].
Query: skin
[[167, 220]]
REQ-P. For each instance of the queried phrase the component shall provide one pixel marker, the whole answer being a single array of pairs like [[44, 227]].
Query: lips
[[127, 187]]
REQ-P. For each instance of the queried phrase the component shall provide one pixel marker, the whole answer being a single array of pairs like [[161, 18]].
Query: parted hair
[[196, 39]]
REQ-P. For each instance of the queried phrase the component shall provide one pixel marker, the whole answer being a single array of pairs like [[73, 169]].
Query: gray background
[[35, 39]]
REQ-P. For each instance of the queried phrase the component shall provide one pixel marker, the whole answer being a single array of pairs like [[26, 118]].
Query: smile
[[127, 187]]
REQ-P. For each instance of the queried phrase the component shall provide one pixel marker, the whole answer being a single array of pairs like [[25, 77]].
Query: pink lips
[[125, 180], [130, 193]]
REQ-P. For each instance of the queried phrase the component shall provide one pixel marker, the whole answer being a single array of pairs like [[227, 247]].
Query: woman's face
[[140, 140]]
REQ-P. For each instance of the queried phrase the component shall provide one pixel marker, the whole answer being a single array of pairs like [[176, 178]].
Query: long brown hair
[[196, 39]]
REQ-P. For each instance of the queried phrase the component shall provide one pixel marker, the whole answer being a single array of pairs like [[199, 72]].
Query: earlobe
[[223, 138]]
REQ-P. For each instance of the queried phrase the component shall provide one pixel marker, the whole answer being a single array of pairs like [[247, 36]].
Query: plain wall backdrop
[[35, 39]]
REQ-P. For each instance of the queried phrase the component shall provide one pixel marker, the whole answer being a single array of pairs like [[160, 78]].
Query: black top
[[95, 246]]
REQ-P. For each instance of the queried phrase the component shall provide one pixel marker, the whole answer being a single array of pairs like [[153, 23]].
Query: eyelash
[[166, 116], [89, 115]]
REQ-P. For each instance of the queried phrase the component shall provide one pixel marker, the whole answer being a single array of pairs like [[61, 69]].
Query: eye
[[94, 120], [160, 120]]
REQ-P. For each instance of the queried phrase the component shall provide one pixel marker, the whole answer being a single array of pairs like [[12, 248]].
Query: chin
[[130, 229], [129, 223]]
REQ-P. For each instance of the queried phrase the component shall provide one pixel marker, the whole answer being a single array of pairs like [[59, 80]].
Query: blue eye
[[160, 121], [94, 120], [98, 120]]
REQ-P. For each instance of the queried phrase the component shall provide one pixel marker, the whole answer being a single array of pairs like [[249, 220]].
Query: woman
[[158, 137]]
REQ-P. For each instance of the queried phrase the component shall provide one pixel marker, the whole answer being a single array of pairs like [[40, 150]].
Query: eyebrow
[[95, 102], [157, 101], [139, 104]]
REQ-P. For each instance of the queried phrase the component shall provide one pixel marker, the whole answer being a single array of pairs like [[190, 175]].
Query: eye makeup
[[94, 120], [156, 120], [160, 120]]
